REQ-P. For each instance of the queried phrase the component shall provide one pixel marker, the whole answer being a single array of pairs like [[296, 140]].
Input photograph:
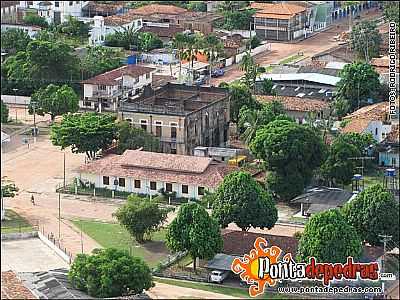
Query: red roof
[[277, 10], [157, 9], [110, 77], [145, 165], [296, 103], [13, 288]]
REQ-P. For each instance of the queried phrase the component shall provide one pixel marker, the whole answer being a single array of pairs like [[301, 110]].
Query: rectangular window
[[153, 185], [200, 191], [121, 182], [71, 3], [168, 187], [185, 189], [158, 129], [87, 103], [106, 180], [102, 87], [56, 3], [143, 124], [147, 75], [137, 184], [173, 130], [376, 131]]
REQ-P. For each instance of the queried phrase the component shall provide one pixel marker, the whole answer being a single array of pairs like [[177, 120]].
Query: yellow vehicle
[[237, 161]]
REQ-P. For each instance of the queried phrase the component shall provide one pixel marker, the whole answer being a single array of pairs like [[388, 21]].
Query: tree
[[289, 149], [8, 190], [359, 81], [249, 67], [350, 4], [365, 39], [179, 43], [240, 199], [362, 141], [35, 20], [328, 238], [374, 212], [4, 112], [99, 60], [214, 48], [195, 231], [254, 42], [74, 27], [338, 168], [141, 217], [391, 13], [54, 100], [14, 40], [134, 138], [85, 133], [197, 6], [126, 37], [148, 41], [341, 107], [110, 273], [237, 19], [266, 87], [240, 96]]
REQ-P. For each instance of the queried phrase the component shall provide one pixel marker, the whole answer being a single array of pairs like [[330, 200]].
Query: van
[[218, 276]]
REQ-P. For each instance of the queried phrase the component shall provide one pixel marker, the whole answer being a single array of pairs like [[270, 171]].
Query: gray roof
[[221, 262], [312, 77], [324, 198]]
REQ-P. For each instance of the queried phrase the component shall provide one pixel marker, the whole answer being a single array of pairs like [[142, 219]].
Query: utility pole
[[64, 169], [59, 216], [384, 240]]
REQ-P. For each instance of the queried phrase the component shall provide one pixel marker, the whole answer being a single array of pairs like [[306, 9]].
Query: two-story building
[[104, 91], [182, 117], [279, 21], [143, 172]]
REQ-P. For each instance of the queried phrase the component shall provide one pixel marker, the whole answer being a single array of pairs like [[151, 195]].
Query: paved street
[[311, 46]]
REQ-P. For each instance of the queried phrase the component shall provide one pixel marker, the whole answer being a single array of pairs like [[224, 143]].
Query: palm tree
[[350, 4], [250, 68], [214, 49], [194, 45], [179, 43], [253, 122]]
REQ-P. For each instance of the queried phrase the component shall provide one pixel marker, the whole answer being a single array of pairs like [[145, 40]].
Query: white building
[[31, 30], [144, 172], [56, 11], [104, 91], [104, 26], [372, 119]]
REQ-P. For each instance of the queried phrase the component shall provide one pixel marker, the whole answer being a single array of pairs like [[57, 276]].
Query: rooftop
[[332, 197], [175, 99], [111, 77], [277, 10], [13, 288], [393, 136], [296, 103], [156, 9], [342, 52], [162, 32], [144, 165], [312, 77]]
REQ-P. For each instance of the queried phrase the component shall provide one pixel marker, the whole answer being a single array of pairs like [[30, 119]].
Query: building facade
[[182, 117], [104, 92], [9, 11], [148, 173]]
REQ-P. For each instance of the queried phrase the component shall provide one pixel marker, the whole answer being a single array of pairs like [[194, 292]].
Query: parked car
[[218, 276], [201, 80], [217, 73]]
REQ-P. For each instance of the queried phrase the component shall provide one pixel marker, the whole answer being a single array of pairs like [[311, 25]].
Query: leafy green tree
[[266, 87], [328, 238], [54, 100], [249, 67], [285, 185], [365, 39], [4, 112], [35, 20], [391, 13], [338, 168], [85, 133], [99, 60], [237, 19], [195, 231], [134, 138], [240, 95], [126, 37], [179, 43], [341, 107], [110, 273], [362, 141], [288, 149], [14, 40], [359, 81], [148, 41], [74, 27], [374, 212], [141, 217], [240, 199], [254, 42], [197, 6]]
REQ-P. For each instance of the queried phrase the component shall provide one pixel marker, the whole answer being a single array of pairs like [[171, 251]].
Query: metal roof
[[335, 65], [313, 77], [221, 262], [331, 197]]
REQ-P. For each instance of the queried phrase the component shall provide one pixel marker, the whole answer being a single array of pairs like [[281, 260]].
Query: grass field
[[14, 223], [113, 235], [290, 59]]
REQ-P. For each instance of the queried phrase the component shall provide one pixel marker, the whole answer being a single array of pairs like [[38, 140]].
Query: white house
[[31, 30], [104, 26], [389, 154], [104, 91], [55, 11], [372, 119], [145, 172]]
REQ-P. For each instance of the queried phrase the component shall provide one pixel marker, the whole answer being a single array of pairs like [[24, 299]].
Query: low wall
[[243, 33], [18, 235], [19, 100], [57, 250], [260, 49], [229, 61]]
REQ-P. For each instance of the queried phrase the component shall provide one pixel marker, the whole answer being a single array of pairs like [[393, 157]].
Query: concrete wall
[[30, 30], [378, 130]]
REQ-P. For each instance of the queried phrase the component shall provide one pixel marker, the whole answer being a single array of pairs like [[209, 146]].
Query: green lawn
[[226, 290], [290, 59], [14, 223], [113, 235]]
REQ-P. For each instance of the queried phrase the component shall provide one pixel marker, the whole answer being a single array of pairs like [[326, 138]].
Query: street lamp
[[15, 99]]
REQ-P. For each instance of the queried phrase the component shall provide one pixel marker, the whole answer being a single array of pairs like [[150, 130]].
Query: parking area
[[29, 255]]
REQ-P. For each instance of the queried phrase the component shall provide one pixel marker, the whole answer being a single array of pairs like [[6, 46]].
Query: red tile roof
[[109, 78], [168, 32], [277, 10], [157, 9], [160, 167], [296, 103], [394, 135], [12, 287]]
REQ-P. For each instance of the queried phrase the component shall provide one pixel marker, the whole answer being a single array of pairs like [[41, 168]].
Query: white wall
[[30, 30], [378, 130]]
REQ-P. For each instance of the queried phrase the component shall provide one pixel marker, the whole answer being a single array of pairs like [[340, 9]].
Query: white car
[[218, 276]]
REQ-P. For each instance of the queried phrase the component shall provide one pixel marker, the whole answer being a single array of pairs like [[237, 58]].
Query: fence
[[260, 49], [171, 259], [50, 240]]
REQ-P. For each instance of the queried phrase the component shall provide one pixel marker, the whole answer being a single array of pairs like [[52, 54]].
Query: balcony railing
[[100, 93]]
